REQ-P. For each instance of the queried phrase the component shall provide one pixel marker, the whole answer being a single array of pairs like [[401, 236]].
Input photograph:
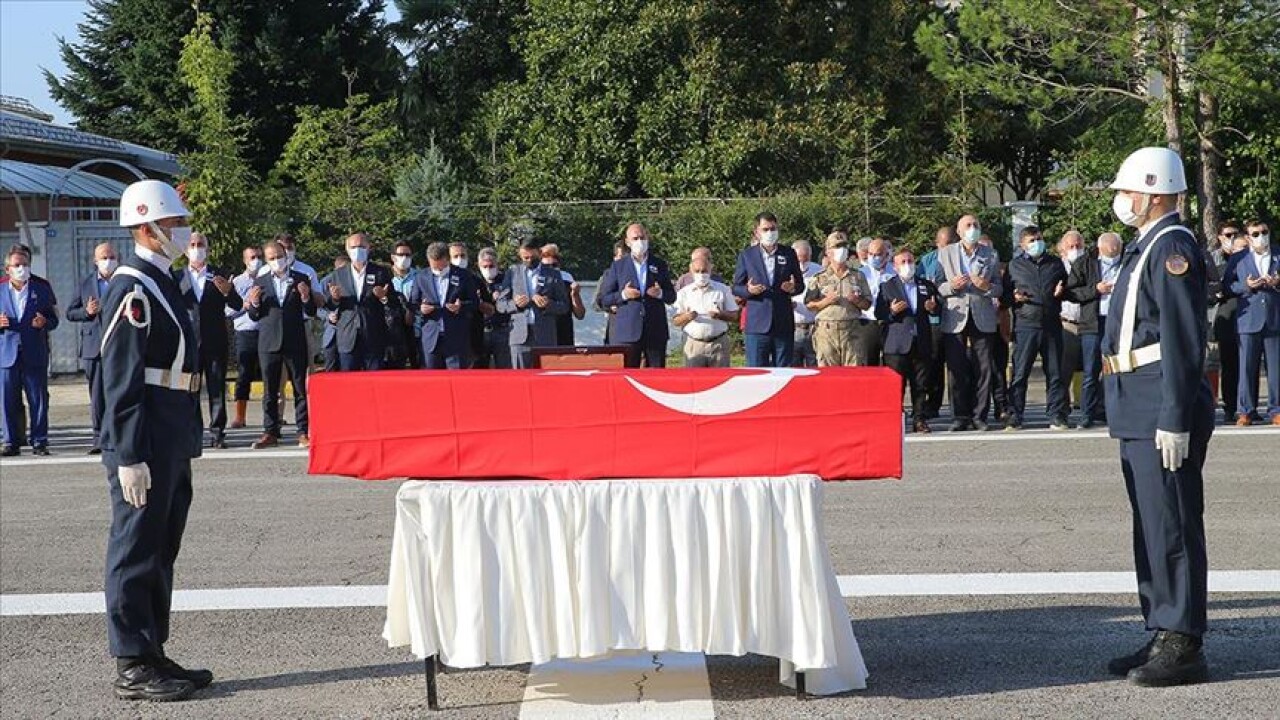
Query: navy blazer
[[281, 322], [210, 310], [442, 331], [902, 332], [90, 325], [770, 312], [1257, 311], [21, 335], [644, 319]]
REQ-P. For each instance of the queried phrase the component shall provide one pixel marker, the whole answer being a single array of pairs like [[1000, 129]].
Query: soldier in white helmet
[[151, 431], [1160, 408]]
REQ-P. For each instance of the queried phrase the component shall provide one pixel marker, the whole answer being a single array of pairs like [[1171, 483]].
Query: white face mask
[[1261, 243], [197, 254], [639, 248], [401, 261], [278, 265], [490, 273], [173, 243], [701, 279], [1074, 254], [769, 238], [459, 262], [358, 255], [106, 266], [840, 255], [254, 266], [441, 272], [1125, 210], [20, 273], [906, 271], [972, 235]]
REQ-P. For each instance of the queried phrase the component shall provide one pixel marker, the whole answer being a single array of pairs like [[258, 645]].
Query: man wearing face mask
[[1039, 284], [1161, 409], [904, 305], [1090, 283], [246, 333], [1070, 248], [28, 313], [444, 299], [640, 287], [151, 430], [496, 351], [1224, 342], [210, 296], [877, 268], [577, 311], [968, 282], [360, 296], [931, 270], [765, 277], [86, 309], [1255, 280], [837, 296], [534, 296], [403, 344], [460, 258], [281, 301], [804, 354], [704, 309]]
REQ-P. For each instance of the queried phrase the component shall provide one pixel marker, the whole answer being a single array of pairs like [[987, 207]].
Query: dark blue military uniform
[[1171, 394], [147, 418]]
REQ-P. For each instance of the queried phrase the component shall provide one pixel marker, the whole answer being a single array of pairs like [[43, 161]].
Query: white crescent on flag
[[731, 396]]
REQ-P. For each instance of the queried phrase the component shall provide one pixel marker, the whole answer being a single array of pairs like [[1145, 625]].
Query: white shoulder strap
[[1129, 319], [149, 284]]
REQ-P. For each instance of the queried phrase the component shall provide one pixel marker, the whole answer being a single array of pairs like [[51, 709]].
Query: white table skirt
[[512, 572]]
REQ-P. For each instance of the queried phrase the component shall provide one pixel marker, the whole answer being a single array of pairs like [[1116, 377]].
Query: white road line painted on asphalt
[[621, 687], [344, 596]]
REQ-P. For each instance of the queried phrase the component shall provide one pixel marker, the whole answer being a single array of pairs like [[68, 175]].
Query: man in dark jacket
[[360, 296], [209, 295], [281, 302], [1090, 284], [1039, 283], [640, 287], [86, 309], [904, 306], [1222, 325]]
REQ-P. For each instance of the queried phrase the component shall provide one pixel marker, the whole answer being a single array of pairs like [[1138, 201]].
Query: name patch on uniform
[[1177, 265]]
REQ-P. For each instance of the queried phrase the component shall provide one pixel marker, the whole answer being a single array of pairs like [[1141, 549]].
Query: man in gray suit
[[969, 282], [534, 296]]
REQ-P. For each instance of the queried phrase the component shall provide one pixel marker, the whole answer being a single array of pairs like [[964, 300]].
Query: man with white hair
[[1090, 284], [804, 355]]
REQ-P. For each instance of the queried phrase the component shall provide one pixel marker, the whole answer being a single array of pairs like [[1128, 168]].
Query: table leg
[[800, 692], [433, 700]]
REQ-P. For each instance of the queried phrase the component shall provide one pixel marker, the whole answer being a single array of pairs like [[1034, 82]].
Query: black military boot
[[144, 681], [1122, 665], [1176, 659]]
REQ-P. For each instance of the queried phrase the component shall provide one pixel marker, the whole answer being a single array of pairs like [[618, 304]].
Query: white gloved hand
[[1174, 448], [135, 481]]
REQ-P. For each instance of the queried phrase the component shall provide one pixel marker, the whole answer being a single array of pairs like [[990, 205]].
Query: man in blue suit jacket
[[639, 287], [86, 309], [27, 314], [1255, 280], [766, 277], [444, 301]]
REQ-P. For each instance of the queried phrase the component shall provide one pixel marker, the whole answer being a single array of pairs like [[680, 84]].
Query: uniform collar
[[160, 262]]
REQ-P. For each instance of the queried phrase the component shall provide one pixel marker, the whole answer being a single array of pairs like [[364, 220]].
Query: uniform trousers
[[141, 550], [1168, 530], [835, 344]]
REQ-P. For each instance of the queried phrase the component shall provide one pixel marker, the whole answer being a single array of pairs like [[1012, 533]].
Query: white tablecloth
[[511, 572]]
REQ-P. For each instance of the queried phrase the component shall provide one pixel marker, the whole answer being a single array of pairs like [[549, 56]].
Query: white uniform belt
[[190, 382], [1132, 361]]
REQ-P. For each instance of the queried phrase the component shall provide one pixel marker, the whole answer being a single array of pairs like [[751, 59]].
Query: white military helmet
[[1152, 170], [148, 201]]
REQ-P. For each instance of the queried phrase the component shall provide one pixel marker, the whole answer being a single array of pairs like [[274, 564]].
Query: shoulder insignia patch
[[1177, 265]]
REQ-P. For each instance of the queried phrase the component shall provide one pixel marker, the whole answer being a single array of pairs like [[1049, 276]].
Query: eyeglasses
[[1230, 235], [1257, 233]]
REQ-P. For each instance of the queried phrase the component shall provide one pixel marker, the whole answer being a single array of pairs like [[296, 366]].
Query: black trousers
[[999, 375], [1027, 344], [93, 375], [935, 384], [914, 369], [867, 342], [1224, 333], [272, 363], [969, 372], [654, 356], [215, 387], [247, 361], [1168, 531], [141, 549]]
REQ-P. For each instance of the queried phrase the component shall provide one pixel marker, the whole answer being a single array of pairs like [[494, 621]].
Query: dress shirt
[[770, 261], [642, 271], [875, 278], [714, 297], [442, 286], [1070, 310], [531, 287], [1263, 262], [1108, 273], [198, 279], [282, 285], [802, 313], [357, 279], [20, 298]]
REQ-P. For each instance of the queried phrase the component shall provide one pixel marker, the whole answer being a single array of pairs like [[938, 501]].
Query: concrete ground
[[991, 503]]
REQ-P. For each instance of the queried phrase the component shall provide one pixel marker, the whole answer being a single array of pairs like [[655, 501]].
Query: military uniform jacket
[[140, 420], [1171, 312], [828, 281]]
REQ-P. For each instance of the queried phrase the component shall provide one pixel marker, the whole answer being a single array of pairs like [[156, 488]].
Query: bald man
[[86, 309], [1090, 284]]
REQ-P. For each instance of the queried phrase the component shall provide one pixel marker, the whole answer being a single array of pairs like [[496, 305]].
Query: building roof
[[31, 179], [20, 130]]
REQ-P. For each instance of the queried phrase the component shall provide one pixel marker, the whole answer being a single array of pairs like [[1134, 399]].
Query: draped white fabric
[[510, 572]]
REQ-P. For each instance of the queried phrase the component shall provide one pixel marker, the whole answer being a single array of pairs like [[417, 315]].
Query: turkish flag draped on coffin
[[838, 423]]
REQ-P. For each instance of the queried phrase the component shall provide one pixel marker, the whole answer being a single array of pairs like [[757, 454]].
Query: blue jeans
[[769, 350], [1027, 344], [1091, 406]]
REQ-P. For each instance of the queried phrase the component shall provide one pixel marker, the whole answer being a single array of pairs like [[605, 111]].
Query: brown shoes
[[1275, 420], [1243, 420], [303, 440], [267, 440]]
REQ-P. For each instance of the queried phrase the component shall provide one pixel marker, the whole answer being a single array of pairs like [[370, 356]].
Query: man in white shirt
[[877, 269], [246, 333], [704, 310], [804, 355], [1071, 248]]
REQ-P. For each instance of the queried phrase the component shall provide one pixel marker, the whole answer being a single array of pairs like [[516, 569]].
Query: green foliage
[[428, 190]]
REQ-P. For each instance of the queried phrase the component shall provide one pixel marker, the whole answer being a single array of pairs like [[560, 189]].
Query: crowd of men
[[957, 321]]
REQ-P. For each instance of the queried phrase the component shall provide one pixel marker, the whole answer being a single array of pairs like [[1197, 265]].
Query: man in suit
[[929, 269], [496, 354], [1039, 283], [86, 309], [403, 343], [359, 295], [280, 302], [904, 305], [610, 312], [329, 335], [877, 269], [970, 280], [577, 311], [1255, 280], [210, 295], [639, 286], [1222, 327], [444, 300], [766, 276], [1090, 284], [534, 296], [28, 313]]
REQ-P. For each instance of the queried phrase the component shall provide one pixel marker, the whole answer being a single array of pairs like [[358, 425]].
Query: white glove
[[135, 481], [1173, 447]]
